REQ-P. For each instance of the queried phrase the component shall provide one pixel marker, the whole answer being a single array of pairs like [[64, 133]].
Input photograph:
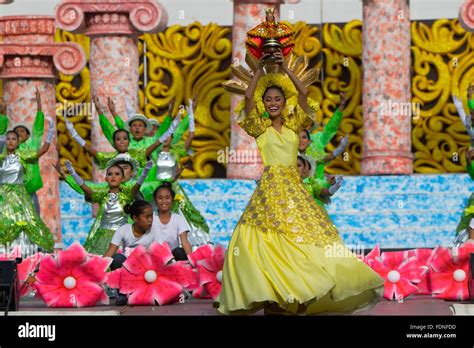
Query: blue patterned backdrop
[[393, 211]]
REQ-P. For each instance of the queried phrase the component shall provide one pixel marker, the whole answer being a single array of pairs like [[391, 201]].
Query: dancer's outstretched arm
[[34, 141], [78, 139], [163, 138], [79, 180], [191, 110], [141, 179], [49, 138]]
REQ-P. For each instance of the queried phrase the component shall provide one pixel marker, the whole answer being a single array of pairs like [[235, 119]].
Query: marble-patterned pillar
[[30, 59], [466, 15], [247, 14], [113, 26], [386, 88]]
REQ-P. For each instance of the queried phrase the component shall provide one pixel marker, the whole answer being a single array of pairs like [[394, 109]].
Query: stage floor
[[415, 305]]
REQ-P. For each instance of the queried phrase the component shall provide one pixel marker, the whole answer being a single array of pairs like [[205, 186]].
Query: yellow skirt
[[285, 251]]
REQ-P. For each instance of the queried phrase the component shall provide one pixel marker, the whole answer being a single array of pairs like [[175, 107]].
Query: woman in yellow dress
[[285, 255]]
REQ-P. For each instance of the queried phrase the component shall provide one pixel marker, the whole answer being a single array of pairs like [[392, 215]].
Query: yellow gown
[[285, 249]]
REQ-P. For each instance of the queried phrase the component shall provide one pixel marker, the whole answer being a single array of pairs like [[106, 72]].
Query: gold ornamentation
[[183, 61], [443, 65], [74, 90]]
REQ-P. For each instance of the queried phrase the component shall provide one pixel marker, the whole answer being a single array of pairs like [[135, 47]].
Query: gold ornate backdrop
[[195, 59], [443, 65]]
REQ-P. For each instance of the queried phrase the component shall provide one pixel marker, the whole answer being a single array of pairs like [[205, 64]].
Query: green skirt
[[17, 215]]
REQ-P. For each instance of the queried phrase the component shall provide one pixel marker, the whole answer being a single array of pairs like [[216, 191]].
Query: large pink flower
[[25, 268], [209, 262], [72, 278], [424, 258], [449, 272], [399, 272], [147, 277]]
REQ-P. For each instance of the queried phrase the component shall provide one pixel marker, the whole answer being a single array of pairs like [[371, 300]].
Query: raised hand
[[145, 172], [73, 132], [335, 187], [171, 106], [111, 105], [59, 169], [342, 103], [51, 130], [73, 173], [342, 146], [98, 108], [38, 99]]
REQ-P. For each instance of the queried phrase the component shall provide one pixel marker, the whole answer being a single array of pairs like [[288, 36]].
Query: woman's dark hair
[[308, 134], [20, 126], [165, 185], [115, 165], [12, 132], [121, 131], [136, 208], [305, 161], [274, 87], [123, 162]]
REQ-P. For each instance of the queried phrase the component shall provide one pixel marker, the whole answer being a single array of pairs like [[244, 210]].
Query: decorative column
[[113, 26], [386, 88], [29, 59], [466, 15], [247, 14]]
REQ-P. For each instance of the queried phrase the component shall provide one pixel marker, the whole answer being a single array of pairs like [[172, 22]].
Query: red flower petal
[[200, 253], [393, 259], [404, 288], [180, 273], [139, 261], [214, 289], [72, 256], [87, 293], [160, 253], [113, 278], [216, 262], [370, 257], [379, 267], [166, 291], [49, 272], [205, 276]]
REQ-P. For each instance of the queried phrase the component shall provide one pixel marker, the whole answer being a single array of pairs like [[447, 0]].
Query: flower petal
[[179, 272], [201, 253], [72, 256], [113, 278], [214, 289], [160, 253], [166, 291], [139, 261], [393, 259]]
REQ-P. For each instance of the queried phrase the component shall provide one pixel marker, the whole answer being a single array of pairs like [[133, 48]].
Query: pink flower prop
[[424, 258], [399, 272], [449, 272], [147, 277], [72, 278], [209, 262], [25, 268]]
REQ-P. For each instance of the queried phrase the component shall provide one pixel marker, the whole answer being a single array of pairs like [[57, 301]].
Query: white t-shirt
[[125, 238], [170, 232]]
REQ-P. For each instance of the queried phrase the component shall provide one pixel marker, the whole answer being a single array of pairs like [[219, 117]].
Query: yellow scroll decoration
[[74, 90], [443, 66]]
